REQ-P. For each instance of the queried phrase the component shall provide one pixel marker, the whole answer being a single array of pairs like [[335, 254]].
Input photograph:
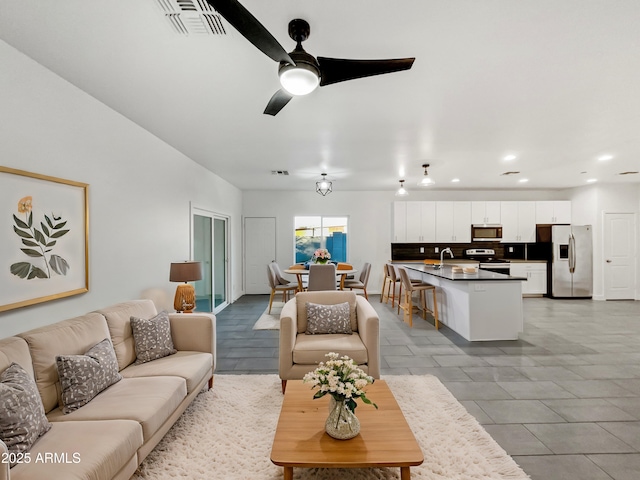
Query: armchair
[[301, 353]]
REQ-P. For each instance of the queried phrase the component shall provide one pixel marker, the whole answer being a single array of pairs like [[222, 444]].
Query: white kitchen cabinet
[[399, 222], [536, 275], [453, 222], [485, 213], [518, 222], [414, 222], [553, 211], [421, 222]]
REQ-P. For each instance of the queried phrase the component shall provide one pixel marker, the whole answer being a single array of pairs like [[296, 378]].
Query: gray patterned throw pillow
[[328, 318], [22, 418], [82, 377], [152, 337]]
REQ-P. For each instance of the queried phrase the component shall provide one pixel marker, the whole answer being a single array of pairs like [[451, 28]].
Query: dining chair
[[277, 287], [322, 277], [361, 283], [407, 304], [278, 272]]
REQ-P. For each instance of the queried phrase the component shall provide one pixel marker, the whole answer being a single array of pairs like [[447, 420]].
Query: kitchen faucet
[[448, 250]]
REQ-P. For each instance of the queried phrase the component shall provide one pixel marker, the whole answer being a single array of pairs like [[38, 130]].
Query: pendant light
[[426, 181], [323, 187], [402, 192]]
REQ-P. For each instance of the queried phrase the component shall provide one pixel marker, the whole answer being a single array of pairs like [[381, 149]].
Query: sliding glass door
[[210, 246]]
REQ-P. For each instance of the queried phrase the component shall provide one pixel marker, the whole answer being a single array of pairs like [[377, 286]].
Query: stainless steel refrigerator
[[572, 262]]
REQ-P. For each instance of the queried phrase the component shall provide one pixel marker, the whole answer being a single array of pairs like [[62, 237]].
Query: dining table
[[301, 272]]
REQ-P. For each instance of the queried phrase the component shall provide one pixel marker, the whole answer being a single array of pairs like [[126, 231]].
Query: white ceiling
[[555, 83]]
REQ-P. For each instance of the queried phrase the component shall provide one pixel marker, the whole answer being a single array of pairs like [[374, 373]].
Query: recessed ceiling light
[[455, 180], [604, 158], [508, 158], [592, 180], [523, 180]]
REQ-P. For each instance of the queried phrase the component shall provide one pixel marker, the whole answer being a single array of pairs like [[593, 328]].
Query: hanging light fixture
[[402, 192], [323, 187], [426, 181]]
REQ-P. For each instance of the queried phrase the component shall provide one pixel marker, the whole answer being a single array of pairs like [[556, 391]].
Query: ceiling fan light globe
[[298, 79]]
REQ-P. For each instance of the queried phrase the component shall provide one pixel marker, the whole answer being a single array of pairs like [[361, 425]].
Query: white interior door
[[259, 251], [619, 256]]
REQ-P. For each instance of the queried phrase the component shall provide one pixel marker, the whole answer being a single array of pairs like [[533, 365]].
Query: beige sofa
[[111, 435], [301, 353]]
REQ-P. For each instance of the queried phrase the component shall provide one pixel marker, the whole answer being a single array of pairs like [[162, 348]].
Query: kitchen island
[[478, 306]]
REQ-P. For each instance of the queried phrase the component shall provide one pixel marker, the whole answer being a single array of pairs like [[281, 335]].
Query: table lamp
[[185, 299]]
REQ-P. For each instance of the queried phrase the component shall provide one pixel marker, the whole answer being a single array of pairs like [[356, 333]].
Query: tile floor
[[564, 400]]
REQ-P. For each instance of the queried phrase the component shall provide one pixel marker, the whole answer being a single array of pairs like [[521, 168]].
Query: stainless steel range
[[486, 257]]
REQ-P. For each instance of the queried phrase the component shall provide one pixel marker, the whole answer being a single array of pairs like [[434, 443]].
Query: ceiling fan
[[300, 73]]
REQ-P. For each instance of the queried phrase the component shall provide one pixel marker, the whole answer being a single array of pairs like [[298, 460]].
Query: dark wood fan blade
[[277, 102], [251, 29], [334, 70]]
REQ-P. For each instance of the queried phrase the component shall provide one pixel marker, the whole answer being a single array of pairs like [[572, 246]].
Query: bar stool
[[413, 281], [408, 306], [386, 284], [394, 279]]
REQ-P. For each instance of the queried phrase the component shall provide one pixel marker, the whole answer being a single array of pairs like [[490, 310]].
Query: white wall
[[139, 194]]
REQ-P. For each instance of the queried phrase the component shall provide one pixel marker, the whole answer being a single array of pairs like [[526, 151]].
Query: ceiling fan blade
[[251, 29], [277, 102], [334, 70]]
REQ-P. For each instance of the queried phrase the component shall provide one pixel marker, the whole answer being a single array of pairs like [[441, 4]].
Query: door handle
[[608, 261]]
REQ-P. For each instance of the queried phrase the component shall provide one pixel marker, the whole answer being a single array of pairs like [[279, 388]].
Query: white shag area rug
[[227, 433], [270, 321]]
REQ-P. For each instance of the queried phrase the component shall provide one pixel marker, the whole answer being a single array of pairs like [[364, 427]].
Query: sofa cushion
[[85, 450], [69, 337], [119, 321], [149, 401], [324, 319], [311, 349], [15, 349], [194, 367], [152, 337], [324, 298], [82, 377], [22, 418]]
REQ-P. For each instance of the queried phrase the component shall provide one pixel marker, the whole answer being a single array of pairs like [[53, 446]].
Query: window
[[321, 232]]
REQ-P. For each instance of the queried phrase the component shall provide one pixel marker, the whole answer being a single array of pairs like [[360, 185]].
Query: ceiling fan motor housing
[[299, 30]]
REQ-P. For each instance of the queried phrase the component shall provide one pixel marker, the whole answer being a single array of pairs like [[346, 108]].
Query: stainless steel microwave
[[486, 233]]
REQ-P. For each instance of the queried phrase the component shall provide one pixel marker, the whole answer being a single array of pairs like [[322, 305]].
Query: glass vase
[[321, 261], [342, 423]]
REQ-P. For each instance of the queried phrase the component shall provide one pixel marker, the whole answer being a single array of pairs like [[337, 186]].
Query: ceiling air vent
[[510, 173], [628, 173], [280, 172], [192, 17]]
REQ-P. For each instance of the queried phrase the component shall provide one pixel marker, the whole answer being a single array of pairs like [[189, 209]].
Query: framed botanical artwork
[[44, 238]]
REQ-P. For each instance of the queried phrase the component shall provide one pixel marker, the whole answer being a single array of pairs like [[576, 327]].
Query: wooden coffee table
[[385, 439]]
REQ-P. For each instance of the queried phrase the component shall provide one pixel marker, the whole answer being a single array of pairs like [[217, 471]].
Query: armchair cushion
[[324, 298], [326, 319], [312, 349]]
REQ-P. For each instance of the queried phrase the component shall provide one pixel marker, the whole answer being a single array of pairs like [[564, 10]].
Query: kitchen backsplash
[[512, 251]]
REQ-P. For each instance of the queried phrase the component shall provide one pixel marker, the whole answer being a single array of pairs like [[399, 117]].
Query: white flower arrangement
[[342, 379]]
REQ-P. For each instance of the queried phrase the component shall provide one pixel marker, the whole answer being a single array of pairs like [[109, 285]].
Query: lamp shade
[[185, 272]]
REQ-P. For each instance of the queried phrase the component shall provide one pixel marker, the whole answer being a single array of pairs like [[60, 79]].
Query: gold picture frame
[[44, 233]]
